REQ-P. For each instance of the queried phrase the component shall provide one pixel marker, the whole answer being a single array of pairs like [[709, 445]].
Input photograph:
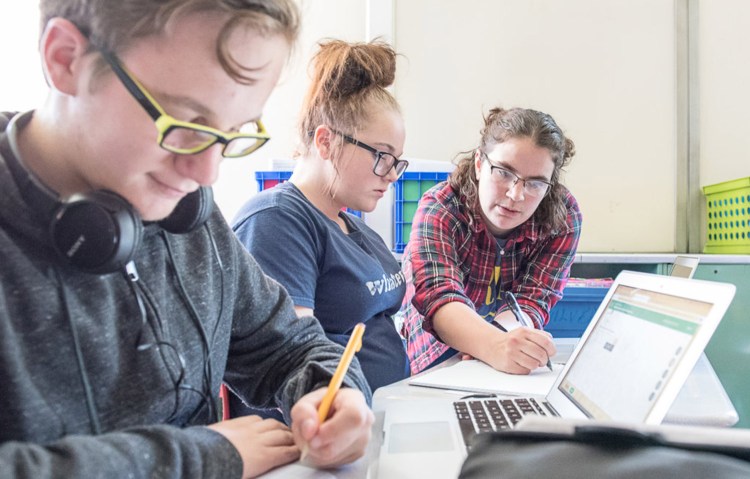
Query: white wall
[[22, 85], [605, 69], [724, 76]]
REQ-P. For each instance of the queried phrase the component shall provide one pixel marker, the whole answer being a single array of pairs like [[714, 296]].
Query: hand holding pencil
[[510, 300], [332, 426]]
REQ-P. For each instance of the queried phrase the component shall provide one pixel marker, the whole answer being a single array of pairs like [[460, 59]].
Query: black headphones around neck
[[98, 231]]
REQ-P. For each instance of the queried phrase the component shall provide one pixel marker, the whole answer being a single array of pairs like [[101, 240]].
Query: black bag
[[596, 451]]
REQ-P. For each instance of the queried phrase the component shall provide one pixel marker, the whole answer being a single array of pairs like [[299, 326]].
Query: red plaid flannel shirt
[[447, 259]]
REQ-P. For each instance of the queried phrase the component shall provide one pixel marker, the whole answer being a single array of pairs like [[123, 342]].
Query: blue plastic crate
[[269, 179], [573, 313], [408, 189]]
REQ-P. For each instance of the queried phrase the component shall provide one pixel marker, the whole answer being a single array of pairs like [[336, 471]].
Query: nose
[[515, 190], [203, 167], [392, 176]]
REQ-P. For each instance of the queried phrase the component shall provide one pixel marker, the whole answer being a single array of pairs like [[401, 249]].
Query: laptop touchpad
[[420, 437]]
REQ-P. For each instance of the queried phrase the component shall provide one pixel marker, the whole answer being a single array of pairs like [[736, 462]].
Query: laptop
[[630, 364], [684, 266]]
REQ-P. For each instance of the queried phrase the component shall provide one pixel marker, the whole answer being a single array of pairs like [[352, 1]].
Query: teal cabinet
[[729, 348]]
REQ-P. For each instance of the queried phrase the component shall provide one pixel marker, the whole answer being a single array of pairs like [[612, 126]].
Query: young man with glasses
[[125, 299], [334, 266], [502, 223]]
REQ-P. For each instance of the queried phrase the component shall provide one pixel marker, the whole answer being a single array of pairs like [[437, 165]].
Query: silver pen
[[510, 300]]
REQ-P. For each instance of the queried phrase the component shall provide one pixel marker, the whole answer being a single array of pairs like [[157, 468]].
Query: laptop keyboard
[[476, 416]]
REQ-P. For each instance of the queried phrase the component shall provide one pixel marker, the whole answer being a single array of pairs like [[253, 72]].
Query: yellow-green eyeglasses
[[185, 138]]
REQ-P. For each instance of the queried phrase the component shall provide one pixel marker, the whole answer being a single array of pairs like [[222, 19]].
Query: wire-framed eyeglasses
[[185, 138], [533, 187], [384, 161]]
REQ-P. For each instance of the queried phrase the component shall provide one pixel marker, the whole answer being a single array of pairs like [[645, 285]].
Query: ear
[[62, 46], [477, 162], [323, 140]]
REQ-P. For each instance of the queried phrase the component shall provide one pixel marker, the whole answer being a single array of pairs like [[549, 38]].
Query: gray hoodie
[[150, 427]]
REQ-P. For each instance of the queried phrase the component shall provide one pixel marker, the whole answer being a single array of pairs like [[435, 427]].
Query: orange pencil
[[354, 345]]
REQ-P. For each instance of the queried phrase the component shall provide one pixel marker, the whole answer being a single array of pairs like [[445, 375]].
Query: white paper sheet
[[476, 376]]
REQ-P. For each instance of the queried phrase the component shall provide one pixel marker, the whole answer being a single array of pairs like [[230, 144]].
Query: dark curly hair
[[502, 125]]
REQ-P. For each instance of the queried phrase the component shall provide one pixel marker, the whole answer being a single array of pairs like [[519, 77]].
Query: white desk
[[702, 401]]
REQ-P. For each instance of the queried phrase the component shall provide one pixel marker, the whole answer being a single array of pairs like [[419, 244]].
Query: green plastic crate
[[408, 190], [728, 226]]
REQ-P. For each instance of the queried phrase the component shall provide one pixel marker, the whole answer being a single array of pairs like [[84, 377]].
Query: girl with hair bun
[[333, 265], [503, 222]]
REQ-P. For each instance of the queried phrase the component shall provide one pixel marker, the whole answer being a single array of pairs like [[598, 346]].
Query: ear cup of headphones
[[191, 212], [96, 232]]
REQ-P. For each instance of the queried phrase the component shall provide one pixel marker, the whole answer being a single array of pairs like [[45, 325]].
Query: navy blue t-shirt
[[345, 278]]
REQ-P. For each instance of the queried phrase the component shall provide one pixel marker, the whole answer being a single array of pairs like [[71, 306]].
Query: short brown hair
[[114, 24], [502, 125]]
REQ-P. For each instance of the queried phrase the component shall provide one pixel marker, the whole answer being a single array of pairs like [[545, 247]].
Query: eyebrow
[[387, 147]]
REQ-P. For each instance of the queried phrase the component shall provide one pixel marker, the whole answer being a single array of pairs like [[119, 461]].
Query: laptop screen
[[632, 351]]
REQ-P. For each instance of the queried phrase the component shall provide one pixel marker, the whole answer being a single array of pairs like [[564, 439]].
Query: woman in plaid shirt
[[502, 222]]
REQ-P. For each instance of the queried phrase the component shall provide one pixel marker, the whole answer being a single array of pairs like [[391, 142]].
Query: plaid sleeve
[[435, 258]]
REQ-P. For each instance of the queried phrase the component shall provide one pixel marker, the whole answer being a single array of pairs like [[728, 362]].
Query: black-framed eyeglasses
[[384, 161], [532, 187], [185, 138]]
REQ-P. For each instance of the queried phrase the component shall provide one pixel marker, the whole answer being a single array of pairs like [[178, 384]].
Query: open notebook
[[629, 365], [476, 376]]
